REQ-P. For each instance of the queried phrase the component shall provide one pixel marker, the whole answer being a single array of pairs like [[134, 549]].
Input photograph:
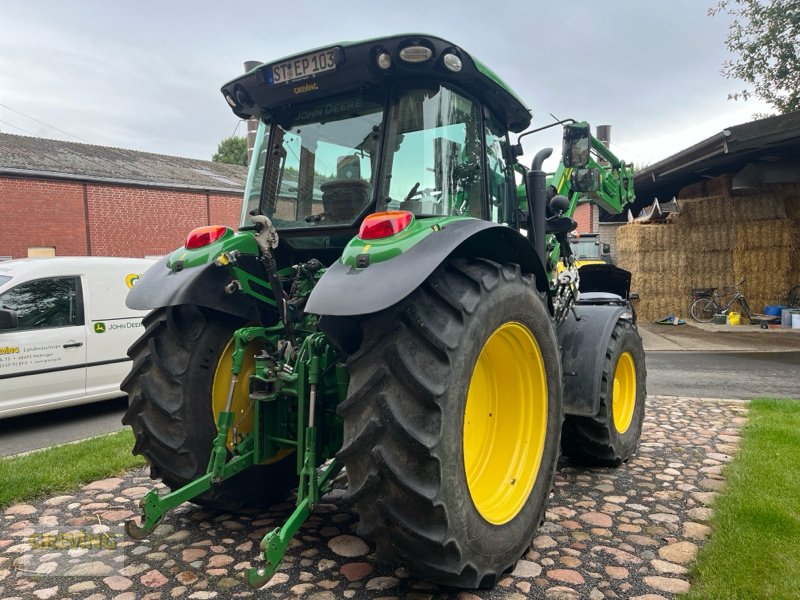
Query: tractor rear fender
[[203, 285], [344, 291], [583, 353]]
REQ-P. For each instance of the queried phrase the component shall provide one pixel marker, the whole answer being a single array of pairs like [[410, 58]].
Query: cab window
[[44, 303], [497, 171], [432, 163]]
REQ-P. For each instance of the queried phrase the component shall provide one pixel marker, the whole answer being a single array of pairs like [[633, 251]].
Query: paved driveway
[[609, 533]]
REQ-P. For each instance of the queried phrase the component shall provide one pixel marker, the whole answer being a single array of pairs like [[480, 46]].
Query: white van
[[65, 330]]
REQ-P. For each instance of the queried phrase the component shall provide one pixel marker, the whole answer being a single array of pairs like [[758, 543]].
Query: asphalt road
[[45, 429], [742, 375]]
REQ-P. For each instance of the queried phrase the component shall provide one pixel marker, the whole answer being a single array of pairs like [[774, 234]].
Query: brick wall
[[35, 212], [583, 215], [122, 220]]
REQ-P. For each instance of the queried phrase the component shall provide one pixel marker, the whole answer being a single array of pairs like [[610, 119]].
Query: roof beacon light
[[384, 60], [384, 224], [203, 236], [452, 62], [416, 54]]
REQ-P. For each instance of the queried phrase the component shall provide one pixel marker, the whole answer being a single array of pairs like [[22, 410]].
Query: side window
[[434, 164], [44, 303], [497, 171]]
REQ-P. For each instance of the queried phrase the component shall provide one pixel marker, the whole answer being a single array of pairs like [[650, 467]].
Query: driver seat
[[344, 199]]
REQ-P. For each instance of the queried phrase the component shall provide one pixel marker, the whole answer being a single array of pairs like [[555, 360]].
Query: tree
[[232, 150], [765, 37]]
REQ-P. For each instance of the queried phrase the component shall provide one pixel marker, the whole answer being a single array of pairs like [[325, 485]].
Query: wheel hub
[[624, 392], [505, 423]]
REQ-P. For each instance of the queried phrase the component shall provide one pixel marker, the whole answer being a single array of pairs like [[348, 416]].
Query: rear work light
[[203, 236], [384, 224]]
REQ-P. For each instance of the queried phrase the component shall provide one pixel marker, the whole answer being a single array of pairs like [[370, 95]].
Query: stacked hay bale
[[654, 254], [763, 247], [792, 204], [718, 239]]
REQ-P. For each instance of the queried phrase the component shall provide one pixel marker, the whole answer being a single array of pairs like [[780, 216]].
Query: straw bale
[[706, 211], [792, 205], [709, 238], [719, 186], [776, 234], [658, 308], [709, 269], [761, 260], [640, 237], [763, 207], [628, 238]]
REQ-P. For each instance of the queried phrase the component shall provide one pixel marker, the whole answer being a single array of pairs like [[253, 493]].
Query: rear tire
[[170, 407], [430, 478], [611, 437], [703, 310]]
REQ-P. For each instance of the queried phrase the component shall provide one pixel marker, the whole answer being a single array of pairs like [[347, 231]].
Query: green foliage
[[64, 468], [765, 39], [232, 150], [752, 552]]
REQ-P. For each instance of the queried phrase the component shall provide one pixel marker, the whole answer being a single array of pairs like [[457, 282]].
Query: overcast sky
[[146, 75]]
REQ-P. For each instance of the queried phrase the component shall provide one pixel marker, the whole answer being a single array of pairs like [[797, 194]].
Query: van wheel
[[179, 381]]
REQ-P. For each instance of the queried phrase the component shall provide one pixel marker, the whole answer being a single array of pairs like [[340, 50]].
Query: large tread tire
[[170, 409], [404, 419], [596, 440]]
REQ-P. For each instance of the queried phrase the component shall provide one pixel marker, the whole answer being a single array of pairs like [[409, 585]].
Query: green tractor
[[391, 304]]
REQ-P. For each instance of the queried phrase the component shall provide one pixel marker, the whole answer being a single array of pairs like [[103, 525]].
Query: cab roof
[[256, 94]]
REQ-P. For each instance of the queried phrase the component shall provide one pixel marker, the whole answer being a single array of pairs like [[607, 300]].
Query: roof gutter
[[115, 181], [688, 157]]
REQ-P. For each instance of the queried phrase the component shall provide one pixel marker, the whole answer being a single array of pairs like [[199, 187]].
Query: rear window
[[4, 279]]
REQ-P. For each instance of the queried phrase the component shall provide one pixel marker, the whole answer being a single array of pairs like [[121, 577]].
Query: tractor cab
[[406, 123]]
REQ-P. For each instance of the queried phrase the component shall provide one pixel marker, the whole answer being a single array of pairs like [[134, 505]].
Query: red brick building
[[71, 199]]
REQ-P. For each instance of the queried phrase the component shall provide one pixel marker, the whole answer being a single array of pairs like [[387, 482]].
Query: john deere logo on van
[[99, 327], [131, 279]]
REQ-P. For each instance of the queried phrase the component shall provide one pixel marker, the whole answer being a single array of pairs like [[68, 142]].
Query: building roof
[[40, 157], [764, 141]]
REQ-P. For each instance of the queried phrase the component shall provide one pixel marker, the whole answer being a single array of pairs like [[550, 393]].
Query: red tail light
[[203, 236], [384, 224]]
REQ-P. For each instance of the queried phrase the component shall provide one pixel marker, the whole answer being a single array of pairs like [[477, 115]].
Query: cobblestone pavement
[[630, 532]]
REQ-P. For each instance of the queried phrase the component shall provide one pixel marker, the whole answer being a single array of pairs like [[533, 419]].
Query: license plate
[[303, 66]]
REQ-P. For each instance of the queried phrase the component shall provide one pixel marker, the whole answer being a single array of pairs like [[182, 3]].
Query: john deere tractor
[[392, 304]]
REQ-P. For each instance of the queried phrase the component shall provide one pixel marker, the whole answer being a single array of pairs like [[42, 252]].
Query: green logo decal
[[99, 327]]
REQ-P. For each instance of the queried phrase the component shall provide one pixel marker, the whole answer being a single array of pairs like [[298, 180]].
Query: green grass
[[64, 468], [754, 551]]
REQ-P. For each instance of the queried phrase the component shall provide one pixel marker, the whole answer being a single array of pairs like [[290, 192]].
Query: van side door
[[43, 360]]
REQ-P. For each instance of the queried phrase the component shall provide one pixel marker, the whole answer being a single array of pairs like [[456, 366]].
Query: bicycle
[[793, 297], [708, 303]]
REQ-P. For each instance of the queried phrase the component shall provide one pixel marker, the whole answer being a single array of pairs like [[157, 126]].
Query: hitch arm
[[154, 507], [273, 546]]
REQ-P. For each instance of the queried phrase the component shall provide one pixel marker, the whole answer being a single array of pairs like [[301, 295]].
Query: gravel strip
[[630, 532]]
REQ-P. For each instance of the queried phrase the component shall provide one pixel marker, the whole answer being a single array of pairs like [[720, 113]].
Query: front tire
[[612, 436], [452, 423], [174, 384], [703, 309]]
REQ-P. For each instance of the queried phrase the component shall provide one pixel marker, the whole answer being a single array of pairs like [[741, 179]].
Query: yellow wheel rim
[[624, 393], [505, 423], [240, 406]]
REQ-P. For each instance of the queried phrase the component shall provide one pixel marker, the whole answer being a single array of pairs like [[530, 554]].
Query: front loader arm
[[616, 181]]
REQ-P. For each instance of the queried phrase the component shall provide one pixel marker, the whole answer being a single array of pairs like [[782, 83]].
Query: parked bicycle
[[793, 297], [708, 303]]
